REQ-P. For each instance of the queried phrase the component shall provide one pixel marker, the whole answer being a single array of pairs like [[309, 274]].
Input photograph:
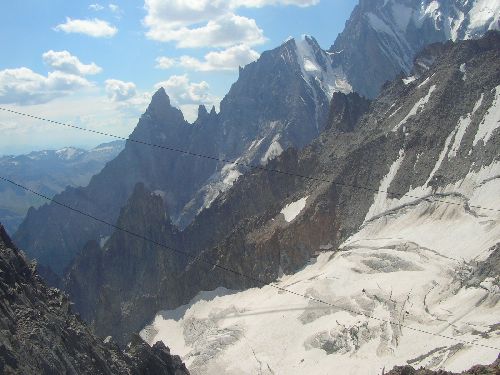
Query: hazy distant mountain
[[48, 172]]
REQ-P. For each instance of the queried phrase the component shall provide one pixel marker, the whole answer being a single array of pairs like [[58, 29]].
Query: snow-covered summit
[[317, 67], [68, 153]]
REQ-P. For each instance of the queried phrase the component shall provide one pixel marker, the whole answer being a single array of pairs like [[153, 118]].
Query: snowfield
[[292, 210], [410, 268]]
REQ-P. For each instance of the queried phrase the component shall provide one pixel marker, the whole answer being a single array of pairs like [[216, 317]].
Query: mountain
[[382, 37], [431, 138], [393, 240], [40, 335], [48, 172], [281, 100]]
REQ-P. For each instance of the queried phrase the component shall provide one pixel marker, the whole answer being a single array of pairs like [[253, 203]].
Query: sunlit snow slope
[[418, 279], [410, 266]]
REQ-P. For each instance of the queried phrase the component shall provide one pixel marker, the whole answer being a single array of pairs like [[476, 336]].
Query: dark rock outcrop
[[127, 280], [40, 335], [345, 111]]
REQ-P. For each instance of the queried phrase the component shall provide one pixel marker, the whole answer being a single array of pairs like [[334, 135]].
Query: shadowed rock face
[[345, 111], [244, 229], [40, 335]]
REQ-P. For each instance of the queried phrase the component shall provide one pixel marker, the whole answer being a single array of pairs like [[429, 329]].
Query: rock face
[[40, 335], [424, 139], [382, 37], [48, 172], [122, 283]]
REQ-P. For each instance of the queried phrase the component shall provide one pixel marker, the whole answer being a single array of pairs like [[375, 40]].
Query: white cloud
[[203, 23], [188, 95], [116, 10], [90, 109], [96, 7], [182, 91], [263, 3], [228, 59], [119, 91], [23, 86], [225, 31], [95, 28], [173, 14], [163, 62], [66, 62], [207, 23]]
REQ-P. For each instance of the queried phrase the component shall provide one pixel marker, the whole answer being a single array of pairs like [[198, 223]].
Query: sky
[[96, 64]]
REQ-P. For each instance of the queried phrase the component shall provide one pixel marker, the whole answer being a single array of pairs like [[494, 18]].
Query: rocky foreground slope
[[40, 335]]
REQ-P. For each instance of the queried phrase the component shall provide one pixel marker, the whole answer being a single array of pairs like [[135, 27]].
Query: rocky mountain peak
[[202, 113], [160, 108]]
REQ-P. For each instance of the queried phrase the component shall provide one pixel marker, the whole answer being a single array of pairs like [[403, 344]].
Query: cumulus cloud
[[96, 7], [116, 10], [182, 91], [202, 23], [225, 31], [96, 28], [23, 86], [66, 62], [119, 91], [164, 62], [263, 3], [228, 59]]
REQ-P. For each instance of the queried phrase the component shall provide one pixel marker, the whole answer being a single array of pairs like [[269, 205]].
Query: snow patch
[[461, 128], [419, 105], [230, 174], [381, 198], [483, 13], [409, 80], [463, 70], [68, 153], [490, 122], [273, 151], [292, 210]]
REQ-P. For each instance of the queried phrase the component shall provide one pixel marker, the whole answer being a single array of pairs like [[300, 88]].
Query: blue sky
[[96, 64]]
